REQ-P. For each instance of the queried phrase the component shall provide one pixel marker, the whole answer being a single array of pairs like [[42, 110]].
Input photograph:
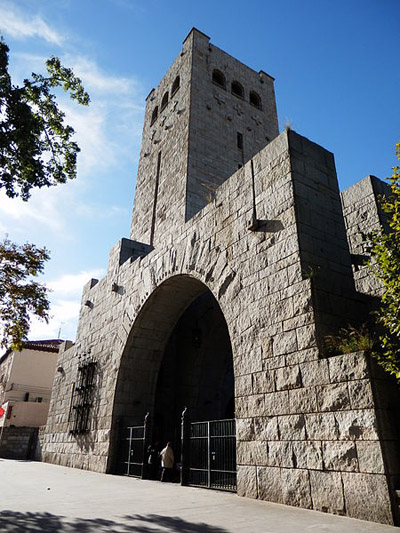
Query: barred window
[[82, 397]]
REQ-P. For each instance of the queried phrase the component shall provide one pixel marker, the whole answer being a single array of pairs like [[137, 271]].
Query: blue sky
[[337, 82]]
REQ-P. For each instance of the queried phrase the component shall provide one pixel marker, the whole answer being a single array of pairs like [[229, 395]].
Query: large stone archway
[[178, 354]]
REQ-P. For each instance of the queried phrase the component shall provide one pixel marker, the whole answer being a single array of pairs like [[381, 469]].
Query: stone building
[[237, 267]]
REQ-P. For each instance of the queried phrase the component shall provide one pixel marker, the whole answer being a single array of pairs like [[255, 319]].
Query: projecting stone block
[[356, 489], [315, 373], [252, 453], [247, 481], [266, 428], [296, 488], [263, 382], [347, 367], [303, 400], [327, 492], [245, 428], [361, 394], [288, 378], [306, 337], [243, 385], [280, 453], [285, 343], [307, 455], [321, 426], [292, 427], [356, 425], [270, 484], [277, 403], [340, 456], [370, 457], [333, 397]]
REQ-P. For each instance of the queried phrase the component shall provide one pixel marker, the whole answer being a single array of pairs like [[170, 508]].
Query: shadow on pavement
[[15, 521]]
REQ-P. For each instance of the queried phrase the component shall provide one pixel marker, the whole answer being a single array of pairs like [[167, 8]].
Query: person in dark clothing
[[153, 459]]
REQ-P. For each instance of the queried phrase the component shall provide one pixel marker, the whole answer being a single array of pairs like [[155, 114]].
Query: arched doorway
[[178, 355], [196, 370]]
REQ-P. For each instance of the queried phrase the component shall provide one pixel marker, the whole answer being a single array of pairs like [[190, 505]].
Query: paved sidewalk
[[41, 497]]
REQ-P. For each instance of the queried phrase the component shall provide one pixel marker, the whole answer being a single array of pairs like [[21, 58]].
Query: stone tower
[[208, 116], [201, 309]]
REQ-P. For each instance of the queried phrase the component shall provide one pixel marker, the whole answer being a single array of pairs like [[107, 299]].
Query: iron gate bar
[[212, 454], [136, 449]]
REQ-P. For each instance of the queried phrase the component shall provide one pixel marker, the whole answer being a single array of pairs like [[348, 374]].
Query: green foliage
[[350, 340], [19, 294], [386, 266], [36, 149]]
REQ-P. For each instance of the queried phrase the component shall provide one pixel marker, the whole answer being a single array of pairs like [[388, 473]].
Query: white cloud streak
[[65, 301], [21, 26]]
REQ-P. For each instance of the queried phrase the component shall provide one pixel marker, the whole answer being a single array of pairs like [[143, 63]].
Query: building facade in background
[[243, 256], [26, 380]]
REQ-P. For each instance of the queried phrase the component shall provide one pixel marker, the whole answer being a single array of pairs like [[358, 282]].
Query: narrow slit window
[[255, 100], [175, 85], [239, 141], [218, 78], [164, 101], [237, 89], [154, 115]]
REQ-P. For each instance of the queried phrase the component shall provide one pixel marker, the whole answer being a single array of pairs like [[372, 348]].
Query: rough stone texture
[[363, 215], [356, 487], [17, 442], [327, 492], [370, 457], [245, 481], [340, 456], [306, 426]]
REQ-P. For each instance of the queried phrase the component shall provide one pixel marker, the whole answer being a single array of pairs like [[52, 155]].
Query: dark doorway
[[178, 354], [196, 371]]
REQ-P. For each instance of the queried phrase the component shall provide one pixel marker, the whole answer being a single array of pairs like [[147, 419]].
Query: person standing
[[153, 460], [167, 462]]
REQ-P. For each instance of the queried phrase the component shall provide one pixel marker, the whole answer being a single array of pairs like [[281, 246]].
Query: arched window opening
[[218, 78], [237, 89], [175, 85], [164, 101], [154, 115], [255, 100]]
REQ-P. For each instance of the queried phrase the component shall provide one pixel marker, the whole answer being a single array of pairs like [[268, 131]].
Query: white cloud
[[21, 26], [99, 81], [65, 301], [71, 284]]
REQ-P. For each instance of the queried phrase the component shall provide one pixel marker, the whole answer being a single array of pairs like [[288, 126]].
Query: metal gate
[[133, 449], [212, 454]]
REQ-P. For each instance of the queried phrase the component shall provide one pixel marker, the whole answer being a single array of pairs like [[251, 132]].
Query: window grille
[[82, 400]]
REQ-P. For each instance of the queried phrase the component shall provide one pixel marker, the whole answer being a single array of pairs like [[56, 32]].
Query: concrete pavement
[[43, 497]]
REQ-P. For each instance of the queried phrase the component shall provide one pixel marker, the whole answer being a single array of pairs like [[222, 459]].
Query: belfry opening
[[178, 358]]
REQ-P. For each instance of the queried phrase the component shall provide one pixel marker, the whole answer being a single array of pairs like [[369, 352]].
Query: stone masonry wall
[[362, 215], [217, 116], [306, 426], [17, 442], [315, 441]]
